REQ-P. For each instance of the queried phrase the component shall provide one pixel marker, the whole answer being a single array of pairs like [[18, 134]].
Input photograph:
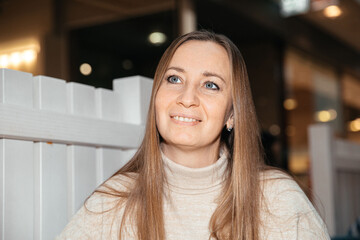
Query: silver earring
[[229, 129]]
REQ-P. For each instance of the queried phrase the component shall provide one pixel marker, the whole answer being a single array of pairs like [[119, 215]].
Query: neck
[[192, 157]]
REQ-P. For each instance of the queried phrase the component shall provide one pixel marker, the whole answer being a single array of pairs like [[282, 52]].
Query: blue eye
[[211, 85], [173, 79]]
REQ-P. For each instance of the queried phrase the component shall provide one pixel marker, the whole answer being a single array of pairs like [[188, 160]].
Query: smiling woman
[[199, 172], [193, 103]]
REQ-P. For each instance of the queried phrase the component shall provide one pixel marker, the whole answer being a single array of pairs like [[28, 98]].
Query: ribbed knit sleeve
[[287, 213]]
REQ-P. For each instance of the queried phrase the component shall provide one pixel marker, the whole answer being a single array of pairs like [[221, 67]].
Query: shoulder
[[281, 191], [286, 211], [102, 210], [277, 184], [120, 182], [113, 190]]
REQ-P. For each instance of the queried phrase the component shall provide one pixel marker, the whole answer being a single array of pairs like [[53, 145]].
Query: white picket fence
[[335, 175], [58, 142]]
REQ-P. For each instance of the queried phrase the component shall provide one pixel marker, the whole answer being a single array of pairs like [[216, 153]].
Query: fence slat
[[51, 190], [17, 175], [82, 163], [108, 105], [16, 87], [135, 93], [82, 176], [50, 165], [112, 160], [50, 94], [81, 99], [17, 188]]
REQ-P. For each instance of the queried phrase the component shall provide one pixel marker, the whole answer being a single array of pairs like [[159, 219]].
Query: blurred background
[[303, 56]]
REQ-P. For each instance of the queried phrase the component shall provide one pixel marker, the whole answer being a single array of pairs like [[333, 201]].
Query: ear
[[230, 121]]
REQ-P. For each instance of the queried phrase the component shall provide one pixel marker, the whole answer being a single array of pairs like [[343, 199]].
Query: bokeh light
[[290, 104], [332, 11], [157, 38], [85, 69]]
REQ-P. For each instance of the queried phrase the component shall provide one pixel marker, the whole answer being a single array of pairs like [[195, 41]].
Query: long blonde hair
[[237, 214]]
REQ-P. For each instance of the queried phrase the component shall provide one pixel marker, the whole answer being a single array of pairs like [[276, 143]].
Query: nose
[[188, 97]]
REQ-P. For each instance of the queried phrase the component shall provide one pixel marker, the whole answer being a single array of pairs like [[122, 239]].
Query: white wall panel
[[335, 176], [324, 184], [17, 188], [16, 87]]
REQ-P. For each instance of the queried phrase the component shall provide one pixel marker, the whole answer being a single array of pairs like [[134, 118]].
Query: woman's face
[[194, 101]]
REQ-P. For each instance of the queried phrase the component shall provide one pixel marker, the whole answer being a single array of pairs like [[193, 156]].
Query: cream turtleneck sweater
[[190, 200]]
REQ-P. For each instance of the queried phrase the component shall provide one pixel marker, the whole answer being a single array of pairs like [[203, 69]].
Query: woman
[[199, 172]]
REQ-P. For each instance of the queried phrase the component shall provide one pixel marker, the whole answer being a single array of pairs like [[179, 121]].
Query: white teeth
[[184, 119]]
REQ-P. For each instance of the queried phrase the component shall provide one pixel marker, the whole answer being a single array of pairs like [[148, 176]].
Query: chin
[[182, 141]]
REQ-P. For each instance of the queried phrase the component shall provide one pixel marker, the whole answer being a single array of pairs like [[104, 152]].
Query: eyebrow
[[206, 73], [211, 74], [176, 69]]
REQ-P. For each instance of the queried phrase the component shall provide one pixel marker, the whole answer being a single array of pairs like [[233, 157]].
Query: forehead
[[202, 56]]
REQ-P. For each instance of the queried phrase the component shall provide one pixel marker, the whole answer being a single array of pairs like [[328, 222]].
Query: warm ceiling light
[[157, 38], [29, 55], [18, 55], [290, 104], [85, 69], [332, 11], [4, 61], [15, 58]]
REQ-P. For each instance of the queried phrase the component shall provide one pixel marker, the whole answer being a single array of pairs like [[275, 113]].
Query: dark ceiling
[[101, 40]]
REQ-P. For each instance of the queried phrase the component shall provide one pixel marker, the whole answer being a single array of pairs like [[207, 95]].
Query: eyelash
[[213, 87]]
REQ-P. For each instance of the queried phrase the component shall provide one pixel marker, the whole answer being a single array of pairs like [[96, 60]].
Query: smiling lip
[[185, 119]]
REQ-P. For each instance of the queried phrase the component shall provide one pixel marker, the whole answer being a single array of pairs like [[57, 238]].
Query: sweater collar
[[195, 180]]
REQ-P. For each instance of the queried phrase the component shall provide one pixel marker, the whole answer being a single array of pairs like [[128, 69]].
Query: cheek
[[158, 110], [217, 112], [161, 103]]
